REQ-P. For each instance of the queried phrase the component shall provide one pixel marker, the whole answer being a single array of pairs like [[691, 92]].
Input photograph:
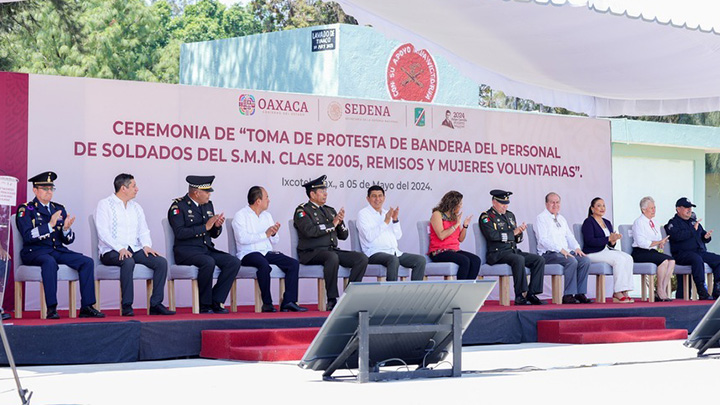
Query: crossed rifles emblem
[[412, 75]]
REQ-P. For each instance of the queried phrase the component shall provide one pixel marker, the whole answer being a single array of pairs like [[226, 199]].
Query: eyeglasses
[[46, 188]]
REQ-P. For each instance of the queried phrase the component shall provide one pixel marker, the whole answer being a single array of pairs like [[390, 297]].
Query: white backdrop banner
[[89, 130]]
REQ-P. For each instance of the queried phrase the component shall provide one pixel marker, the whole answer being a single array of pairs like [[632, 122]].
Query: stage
[[142, 337]]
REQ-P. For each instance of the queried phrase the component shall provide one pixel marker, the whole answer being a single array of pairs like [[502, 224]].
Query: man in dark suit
[[46, 229], [195, 224], [687, 243], [503, 233], [319, 228]]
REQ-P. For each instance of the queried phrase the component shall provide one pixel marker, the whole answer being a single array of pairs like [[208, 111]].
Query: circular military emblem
[[334, 111], [412, 74], [246, 104]]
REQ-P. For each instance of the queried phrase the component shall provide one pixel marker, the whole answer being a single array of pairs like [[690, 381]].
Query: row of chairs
[[448, 271]]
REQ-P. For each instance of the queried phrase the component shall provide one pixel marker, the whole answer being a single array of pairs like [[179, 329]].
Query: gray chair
[[502, 271], [553, 270], [373, 270], [599, 270], [179, 272], [24, 274], [103, 272], [247, 272], [647, 271], [448, 271], [314, 271], [686, 272]]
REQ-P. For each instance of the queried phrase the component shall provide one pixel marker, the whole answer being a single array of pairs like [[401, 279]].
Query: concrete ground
[[536, 373]]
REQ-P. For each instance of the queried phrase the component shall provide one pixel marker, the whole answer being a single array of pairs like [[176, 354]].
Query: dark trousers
[[157, 264], [228, 265], [391, 262], [48, 270], [331, 261], [518, 260], [695, 260], [288, 265], [575, 270], [468, 263]]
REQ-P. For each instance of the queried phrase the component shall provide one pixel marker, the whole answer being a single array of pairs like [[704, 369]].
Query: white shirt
[[120, 226], [644, 234], [250, 232], [553, 233], [375, 235]]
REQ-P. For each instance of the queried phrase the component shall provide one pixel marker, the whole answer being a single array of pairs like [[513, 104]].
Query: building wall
[[284, 61]]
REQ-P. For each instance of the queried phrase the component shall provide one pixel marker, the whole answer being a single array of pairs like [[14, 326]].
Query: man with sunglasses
[[557, 244], [46, 229]]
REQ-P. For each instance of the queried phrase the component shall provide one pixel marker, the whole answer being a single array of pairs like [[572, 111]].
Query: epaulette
[[178, 199]]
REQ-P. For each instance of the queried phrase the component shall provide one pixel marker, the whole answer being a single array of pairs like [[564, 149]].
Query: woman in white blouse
[[648, 244]]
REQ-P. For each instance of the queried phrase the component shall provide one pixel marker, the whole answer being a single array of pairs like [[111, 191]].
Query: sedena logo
[[246, 104]]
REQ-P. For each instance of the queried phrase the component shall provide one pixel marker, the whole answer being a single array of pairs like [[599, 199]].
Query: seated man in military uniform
[[319, 227], [46, 229], [195, 225], [503, 234]]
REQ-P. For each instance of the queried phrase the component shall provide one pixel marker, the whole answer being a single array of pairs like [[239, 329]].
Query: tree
[[277, 15]]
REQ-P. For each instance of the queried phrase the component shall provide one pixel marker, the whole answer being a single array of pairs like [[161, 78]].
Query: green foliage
[[277, 15]]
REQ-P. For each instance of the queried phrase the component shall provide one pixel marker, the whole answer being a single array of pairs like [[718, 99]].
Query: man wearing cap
[[195, 224], [319, 227], [557, 244], [46, 229], [687, 243], [255, 235], [124, 240], [503, 233], [379, 230]]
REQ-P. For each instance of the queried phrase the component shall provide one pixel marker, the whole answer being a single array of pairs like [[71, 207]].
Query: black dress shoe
[[534, 300], [706, 298], [52, 314], [292, 307], [569, 299], [206, 310], [268, 308], [127, 311], [90, 312], [160, 309], [5, 316], [331, 304], [520, 300], [218, 309], [581, 298]]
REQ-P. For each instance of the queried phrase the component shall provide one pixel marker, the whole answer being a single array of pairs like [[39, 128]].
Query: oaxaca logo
[[278, 105], [246, 104], [412, 74], [419, 117]]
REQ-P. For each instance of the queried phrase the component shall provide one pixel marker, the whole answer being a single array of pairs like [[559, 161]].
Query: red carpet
[[607, 330], [257, 344]]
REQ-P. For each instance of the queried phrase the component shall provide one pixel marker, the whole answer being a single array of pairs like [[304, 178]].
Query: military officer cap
[[315, 184], [43, 179], [501, 196], [201, 182], [684, 202]]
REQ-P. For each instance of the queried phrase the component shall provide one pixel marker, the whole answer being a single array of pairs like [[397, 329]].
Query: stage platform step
[[257, 344], [607, 330]]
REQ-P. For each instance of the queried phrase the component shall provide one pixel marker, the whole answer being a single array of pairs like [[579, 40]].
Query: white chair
[[247, 272], [502, 271], [24, 274], [179, 272], [103, 272], [599, 270], [446, 270], [554, 270], [647, 271], [373, 270], [314, 271]]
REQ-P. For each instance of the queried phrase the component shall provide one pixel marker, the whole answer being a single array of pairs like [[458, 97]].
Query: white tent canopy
[[601, 57]]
